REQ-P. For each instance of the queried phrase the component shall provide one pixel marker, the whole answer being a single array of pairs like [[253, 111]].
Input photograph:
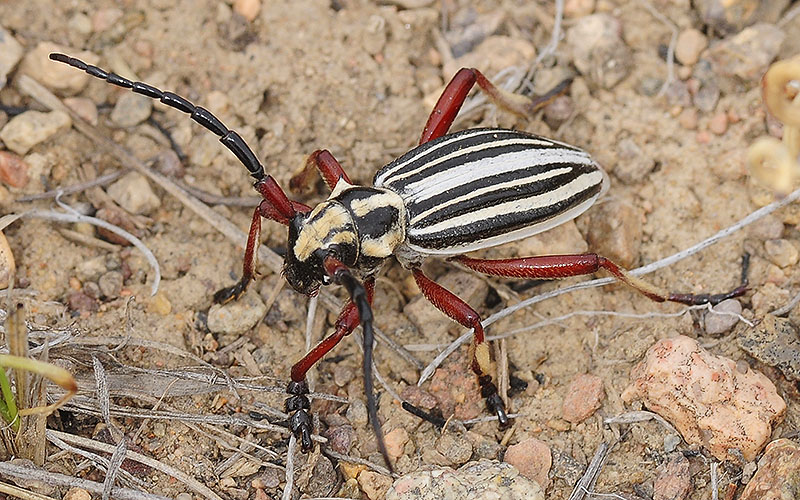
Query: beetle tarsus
[[493, 400], [230, 293], [298, 405]]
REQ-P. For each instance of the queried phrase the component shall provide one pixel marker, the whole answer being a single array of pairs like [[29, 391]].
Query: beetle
[[452, 194]]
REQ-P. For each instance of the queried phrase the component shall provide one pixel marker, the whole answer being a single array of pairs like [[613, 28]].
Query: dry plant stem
[[287, 490], [632, 417], [359, 461], [665, 262], [17, 492], [28, 473], [75, 188], [589, 478], [714, 481]]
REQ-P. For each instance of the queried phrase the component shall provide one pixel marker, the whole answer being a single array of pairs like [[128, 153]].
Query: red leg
[[297, 404], [455, 94], [564, 266], [267, 210], [329, 168], [460, 311], [345, 324]]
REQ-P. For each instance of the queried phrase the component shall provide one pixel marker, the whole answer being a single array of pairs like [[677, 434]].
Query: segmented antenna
[[229, 138]]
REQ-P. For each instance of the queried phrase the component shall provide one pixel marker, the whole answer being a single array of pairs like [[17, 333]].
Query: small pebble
[[103, 19], [690, 44], [718, 123], [159, 304], [456, 448], [342, 375], [13, 170], [616, 232], [781, 252], [77, 494], [558, 111], [717, 324], [778, 475], [775, 342], [7, 262], [673, 479], [474, 481], [532, 458], [248, 9], [81, 303], [584, 396], [237, 316], [688, 119], [748, 53], [357, 413], [83, 107], [671, 442], [341, 438], [110, 284], [131, 109], [578, 8], [80, 23], [374, 485], [55, 75], [418, 397], [598, 50], [28, 129], [323, 479], [133, 193], [730, 16], [10, 54], [634, 164], [395, 442], [703, 137]]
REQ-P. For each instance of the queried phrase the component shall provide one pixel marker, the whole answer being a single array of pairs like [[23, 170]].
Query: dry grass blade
[[589, 478], [21, 493]]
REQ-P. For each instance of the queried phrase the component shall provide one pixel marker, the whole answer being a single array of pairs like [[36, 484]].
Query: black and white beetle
[[452, 194]]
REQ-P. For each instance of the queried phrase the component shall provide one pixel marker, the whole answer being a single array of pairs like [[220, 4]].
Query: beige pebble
[[578, 8], [690, 44], [688, 118], [781, 252], [13, 170], [7, 264], [718, 123], [30, 128], [248, 9], [77, 494], [395, 442], [83, 107]]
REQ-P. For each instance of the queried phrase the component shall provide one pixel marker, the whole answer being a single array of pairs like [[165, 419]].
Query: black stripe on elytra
[[494, 196], [501, 224]]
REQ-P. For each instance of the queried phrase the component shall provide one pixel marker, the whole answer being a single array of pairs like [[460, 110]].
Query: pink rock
[[584, 396], [532, 459], [706, 398], [674, 481]]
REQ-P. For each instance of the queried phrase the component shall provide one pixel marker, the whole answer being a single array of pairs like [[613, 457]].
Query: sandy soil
[[359, 81]]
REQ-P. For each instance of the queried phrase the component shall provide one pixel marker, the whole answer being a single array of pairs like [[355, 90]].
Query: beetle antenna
[[358, 295], [229, 138]]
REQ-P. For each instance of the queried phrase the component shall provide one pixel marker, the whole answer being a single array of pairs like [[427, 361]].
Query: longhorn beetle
[[452, 194]]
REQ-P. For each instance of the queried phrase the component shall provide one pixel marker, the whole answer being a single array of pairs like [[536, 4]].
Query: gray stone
[[747, 54], [598, 50], [133, 193], [722, 317], [237, 316], [28, 129], [10, 54], [55, 75], [131, 110], [474, 481]]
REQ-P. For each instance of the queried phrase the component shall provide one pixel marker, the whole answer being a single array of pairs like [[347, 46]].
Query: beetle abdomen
[[483, 187]]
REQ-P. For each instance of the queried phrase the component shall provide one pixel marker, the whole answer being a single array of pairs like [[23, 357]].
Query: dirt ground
[[359, 78]]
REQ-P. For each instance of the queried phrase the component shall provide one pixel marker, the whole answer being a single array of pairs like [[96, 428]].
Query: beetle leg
[[298, 403], [564, 266], [460, 311], [329, 168], [268, 211], [454, 95]]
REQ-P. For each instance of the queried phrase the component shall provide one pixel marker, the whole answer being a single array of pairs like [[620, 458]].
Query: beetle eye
[[326, 280]]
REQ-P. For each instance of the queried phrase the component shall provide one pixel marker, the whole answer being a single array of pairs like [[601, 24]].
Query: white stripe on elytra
[[385, 175], [549, 198], [472, 149], [479, 169], [488, 189]]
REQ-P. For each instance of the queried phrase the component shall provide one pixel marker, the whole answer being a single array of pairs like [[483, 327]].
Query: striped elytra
[[483, 187]]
